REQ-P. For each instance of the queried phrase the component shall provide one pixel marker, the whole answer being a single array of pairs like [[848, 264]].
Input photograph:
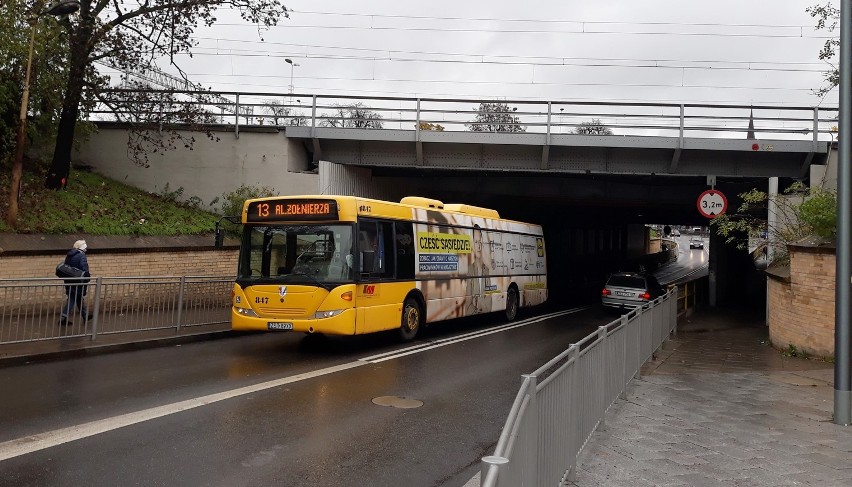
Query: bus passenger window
[[376, 246], [404, 250]]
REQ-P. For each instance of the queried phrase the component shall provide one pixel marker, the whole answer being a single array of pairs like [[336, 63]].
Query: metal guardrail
[[30, 309], [236, 109], [561, 404]]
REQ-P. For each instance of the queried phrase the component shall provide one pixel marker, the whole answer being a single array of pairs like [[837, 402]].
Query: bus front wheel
[[511, 304], [411, 317]]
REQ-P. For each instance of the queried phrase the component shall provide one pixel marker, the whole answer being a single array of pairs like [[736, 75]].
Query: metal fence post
[[417, 127], [639, 359], [575, 431], [489, 464], [673, 310], [97, 307], [816, 129], [180, 304], [532, 453], [237, 116], [604, 397], [314, 117], [624, 331]]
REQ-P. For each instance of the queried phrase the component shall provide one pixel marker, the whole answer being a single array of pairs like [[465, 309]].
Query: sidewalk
[[720, 407]]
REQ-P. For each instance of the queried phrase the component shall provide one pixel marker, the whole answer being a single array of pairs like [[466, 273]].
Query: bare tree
[[355, 116], [131, 35], [593, 127], [496, 117], [284, 115]]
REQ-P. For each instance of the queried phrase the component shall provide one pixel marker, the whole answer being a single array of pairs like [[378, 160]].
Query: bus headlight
[[246, 312], [327, 314]]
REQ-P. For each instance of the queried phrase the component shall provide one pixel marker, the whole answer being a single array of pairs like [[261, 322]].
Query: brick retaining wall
[[801, 307], [129, 263]]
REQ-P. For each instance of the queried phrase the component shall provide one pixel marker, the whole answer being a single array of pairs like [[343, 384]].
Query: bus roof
[[350, 207]]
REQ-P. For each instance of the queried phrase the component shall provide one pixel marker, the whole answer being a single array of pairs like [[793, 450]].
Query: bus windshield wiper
[[319, 283]]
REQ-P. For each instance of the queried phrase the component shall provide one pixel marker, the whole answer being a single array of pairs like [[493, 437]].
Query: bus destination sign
[[291, 210]]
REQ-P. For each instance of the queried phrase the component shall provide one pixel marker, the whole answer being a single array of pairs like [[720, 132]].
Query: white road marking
[[461, 338], [33, 443]]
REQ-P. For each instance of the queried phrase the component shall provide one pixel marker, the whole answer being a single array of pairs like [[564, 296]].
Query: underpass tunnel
[[595, 224]]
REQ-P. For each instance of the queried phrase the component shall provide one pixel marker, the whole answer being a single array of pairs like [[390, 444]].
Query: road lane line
[[473, 333], [470, 336], [40, 441]]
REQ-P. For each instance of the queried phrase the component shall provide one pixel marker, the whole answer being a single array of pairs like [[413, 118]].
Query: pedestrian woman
[[75, 288]]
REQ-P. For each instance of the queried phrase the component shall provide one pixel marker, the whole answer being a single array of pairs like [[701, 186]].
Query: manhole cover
[[397, 402]]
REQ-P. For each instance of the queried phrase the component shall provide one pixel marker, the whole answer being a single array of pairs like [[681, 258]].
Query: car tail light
[[645, 296], [606, 292]]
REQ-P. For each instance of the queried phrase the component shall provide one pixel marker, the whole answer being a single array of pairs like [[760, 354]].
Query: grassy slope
[[92, 204]]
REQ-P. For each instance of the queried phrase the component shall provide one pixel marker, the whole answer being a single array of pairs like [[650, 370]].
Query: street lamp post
[[57, 8], [292, 66]]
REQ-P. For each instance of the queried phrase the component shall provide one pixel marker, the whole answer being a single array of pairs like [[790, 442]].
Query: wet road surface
[[691, 263], [277, 409]]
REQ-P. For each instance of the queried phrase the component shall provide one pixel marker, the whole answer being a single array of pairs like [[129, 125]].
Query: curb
[[106, 348]]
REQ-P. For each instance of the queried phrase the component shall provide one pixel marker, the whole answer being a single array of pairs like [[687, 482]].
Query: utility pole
[[842, 329]]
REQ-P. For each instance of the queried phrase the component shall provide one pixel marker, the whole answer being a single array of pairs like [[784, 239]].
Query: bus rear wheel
[[511, 304], [411, 318]]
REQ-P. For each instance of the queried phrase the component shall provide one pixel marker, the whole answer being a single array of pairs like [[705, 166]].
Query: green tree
[[19, 20], [800, 212], [828, 18], [496, 117], [431, 127], [130, 35]]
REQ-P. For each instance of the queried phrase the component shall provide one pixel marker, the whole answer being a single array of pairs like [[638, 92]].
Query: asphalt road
[[277, 409], [690, 264]]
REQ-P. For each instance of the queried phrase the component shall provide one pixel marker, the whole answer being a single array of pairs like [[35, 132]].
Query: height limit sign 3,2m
[[712, 203]]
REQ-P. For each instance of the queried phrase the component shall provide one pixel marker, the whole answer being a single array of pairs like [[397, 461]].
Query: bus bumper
[[342, 324]]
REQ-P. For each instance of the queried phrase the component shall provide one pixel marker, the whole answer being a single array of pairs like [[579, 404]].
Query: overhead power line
[[581, 31], [545, 21], [739, 66], [503, 82]]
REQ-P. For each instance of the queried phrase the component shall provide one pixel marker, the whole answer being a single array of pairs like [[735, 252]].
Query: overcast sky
[[745, 51]]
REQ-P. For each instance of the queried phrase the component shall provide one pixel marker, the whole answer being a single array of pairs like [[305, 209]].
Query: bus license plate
[[277, 325]]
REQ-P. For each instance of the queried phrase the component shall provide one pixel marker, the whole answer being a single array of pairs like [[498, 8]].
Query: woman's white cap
[[81, 245]]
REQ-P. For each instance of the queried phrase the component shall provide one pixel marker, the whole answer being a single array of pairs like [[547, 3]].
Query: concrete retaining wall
[[259, 157]]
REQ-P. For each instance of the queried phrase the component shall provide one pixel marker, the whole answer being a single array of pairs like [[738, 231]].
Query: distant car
[[628, 290], [675, 233], [696, 243]]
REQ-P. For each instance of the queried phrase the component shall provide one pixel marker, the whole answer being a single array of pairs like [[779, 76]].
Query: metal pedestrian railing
[[30, 309], [561, 404]]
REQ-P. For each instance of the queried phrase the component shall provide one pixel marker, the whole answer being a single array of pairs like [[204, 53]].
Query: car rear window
[[626, 281]]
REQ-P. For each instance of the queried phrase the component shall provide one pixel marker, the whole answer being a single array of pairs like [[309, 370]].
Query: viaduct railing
[[235, 110], [561, 404]]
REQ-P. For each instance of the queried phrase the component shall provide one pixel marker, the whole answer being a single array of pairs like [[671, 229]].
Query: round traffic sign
[[712, 203]]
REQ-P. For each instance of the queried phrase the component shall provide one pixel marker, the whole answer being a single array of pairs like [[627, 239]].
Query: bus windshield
[[304, 253]]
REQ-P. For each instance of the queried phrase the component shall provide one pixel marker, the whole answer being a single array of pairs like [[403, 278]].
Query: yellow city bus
[[343, 265]]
